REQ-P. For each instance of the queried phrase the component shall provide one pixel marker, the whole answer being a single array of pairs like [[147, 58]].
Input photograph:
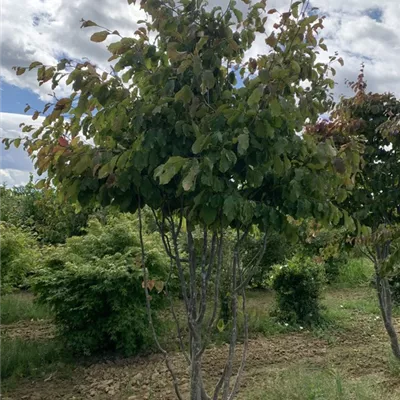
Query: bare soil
[[359, 351]]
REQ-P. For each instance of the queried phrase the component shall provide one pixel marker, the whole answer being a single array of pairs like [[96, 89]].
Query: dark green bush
[[395, 286], [277, 250], [298, 286], [97, 295]]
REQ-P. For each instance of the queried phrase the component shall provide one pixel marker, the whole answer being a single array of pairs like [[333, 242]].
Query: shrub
[[327, 244], [97, 295], [395, 287], [277, 250], [298, 286], [19, 256]]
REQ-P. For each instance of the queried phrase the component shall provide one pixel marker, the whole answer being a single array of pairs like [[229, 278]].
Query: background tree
[[375, 200], [40, 212], [170, 128]]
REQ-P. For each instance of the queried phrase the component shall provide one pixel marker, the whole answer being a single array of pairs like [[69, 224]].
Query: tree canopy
[[185, 118]]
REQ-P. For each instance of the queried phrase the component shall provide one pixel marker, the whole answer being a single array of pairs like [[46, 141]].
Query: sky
[[362, 31]]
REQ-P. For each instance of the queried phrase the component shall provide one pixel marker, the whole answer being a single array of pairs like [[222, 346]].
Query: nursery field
[[346, 358]]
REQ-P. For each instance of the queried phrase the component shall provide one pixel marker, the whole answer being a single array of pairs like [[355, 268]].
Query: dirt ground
[[360, 351]]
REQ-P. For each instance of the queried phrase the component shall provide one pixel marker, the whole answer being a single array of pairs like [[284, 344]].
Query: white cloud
[[14, 177], [360, 30], [15, 165], [47, 30], [9, 124]]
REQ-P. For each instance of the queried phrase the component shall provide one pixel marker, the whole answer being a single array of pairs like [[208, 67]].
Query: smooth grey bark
[[200, 284], [385, 298]]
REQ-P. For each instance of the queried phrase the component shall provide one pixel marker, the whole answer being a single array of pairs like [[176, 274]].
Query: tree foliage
[[375, 199], [172, 123], [40, 212], [187, 124]]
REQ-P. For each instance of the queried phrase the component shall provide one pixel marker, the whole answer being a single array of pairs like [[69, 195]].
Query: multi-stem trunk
[[385, 298]]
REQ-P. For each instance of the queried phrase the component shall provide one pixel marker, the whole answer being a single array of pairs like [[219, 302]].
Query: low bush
[[19, 256], [97, 295], [298, 285], [277, 250]]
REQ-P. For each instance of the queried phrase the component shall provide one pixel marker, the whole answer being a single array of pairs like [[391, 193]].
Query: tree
[[40, 212], [171, 128], [375, 201]]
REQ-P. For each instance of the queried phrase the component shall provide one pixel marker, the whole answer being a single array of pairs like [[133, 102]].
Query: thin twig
[[245, 347], [232, 344], [148, 307]]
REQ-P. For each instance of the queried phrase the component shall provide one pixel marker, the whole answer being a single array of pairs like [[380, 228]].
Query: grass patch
[[363, 300], [304, 383], [356, 272], [21, 306], [21, 358]]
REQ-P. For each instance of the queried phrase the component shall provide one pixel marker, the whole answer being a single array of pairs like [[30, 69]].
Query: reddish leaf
[[63, 142]]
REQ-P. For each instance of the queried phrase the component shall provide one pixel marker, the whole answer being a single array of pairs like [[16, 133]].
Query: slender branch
[[165, 238], [192, 271], [207, 276], [232, 344], [148, 307], [203, 299], [250, 268], [188, 303], [178, 328], [245, 347], [367, 254]]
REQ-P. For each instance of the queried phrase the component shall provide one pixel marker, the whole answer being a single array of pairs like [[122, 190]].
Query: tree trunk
[[385, 299]]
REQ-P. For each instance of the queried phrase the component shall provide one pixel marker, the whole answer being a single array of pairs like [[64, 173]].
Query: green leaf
[[185, 95], [20, 70], [167, 171], [200, 44], [208, 214], [99, 36], [34, 64], [17, 142], [341, 195], [227, 160], [278, 166], [275, 108], [238, 15], [190, 179], [254, 177], [208, 79], [88, 23], [83, 164], [104, 171], [230, 207], [255, 96], [200, 143], [221, 325], [295, 66], [264, 75], [243, 143]]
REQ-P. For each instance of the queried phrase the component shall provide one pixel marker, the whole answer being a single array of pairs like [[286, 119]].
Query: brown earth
[[359, 351]]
